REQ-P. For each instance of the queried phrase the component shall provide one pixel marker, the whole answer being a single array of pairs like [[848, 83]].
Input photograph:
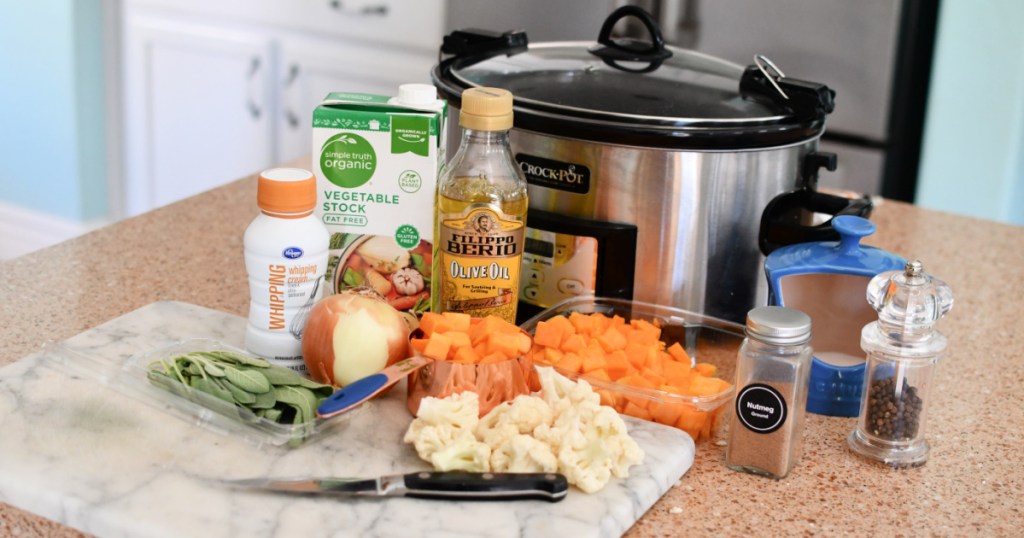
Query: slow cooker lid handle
[[764, 82], [612, 51]]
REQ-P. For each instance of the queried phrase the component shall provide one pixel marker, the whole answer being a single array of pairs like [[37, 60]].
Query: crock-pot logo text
[[569, 177]]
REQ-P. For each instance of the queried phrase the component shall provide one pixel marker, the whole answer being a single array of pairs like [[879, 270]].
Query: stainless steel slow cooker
[[649, 167]]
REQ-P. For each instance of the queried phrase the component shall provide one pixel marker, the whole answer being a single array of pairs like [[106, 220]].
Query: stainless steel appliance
[[682, 149], [876, 54]]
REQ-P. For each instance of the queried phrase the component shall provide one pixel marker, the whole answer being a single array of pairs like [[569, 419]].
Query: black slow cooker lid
[[635, 93], [687, 89]]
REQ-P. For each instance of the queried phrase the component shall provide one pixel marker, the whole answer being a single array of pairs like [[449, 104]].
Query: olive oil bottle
[[480, 218]]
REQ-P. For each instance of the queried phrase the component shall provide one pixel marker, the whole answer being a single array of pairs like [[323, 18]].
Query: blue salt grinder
[[828, 280]]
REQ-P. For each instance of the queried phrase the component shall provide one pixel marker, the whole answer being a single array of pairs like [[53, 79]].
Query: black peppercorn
[[893, 417]]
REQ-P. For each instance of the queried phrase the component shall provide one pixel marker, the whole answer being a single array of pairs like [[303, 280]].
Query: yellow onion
[[351, 335]]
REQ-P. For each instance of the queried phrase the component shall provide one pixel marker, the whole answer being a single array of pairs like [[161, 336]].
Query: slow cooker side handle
[[788, 218], [612, 51]]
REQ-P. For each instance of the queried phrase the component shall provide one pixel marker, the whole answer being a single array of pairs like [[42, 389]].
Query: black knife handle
[[487, 486]]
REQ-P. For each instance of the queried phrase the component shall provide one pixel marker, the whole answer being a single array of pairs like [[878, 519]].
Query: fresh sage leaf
[[241, 396], [264, 400], [210, 387], [299, 397], [249, 380], [278, 375], [213, 369], [243, 359]]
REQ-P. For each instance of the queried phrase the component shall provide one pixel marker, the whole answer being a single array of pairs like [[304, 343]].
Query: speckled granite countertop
[[972, 485]]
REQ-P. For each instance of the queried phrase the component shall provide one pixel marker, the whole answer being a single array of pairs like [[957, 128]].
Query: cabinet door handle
[[379, 10], [290, 79], [255, 110]]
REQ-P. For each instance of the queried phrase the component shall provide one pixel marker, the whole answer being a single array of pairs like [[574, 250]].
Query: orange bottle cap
[[287, 191]]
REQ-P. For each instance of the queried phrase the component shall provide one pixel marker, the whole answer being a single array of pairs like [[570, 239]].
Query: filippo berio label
[[481, 254], [376, 168]]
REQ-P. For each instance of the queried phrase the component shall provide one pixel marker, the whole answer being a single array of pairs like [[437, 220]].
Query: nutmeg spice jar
[[902, 350], [772, 371]]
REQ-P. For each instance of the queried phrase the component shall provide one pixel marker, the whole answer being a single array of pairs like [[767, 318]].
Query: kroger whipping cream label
[[376, 165]]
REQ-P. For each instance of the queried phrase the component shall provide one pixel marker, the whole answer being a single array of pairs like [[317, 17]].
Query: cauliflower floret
[[591, 444], [624, 452], [520, 416], [563, 428], [523, 454], [460, 410], [442, 422], [583, 461], [561, 392], [428, 439], [465, 454]]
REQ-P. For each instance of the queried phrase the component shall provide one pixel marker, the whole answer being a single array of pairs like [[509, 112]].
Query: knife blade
[[426, 485]]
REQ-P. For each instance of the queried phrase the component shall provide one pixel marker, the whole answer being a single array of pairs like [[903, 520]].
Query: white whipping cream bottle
[[285, 257]]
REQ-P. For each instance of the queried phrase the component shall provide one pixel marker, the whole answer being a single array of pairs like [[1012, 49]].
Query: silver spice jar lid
[[779, 325]]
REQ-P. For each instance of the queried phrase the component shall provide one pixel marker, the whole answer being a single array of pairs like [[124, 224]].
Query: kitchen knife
[[427, 485]]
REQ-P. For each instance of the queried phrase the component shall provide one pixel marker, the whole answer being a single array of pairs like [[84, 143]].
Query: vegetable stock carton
[[376, 166]]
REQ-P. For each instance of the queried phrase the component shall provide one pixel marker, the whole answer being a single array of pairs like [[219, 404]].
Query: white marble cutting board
[[78, 452]]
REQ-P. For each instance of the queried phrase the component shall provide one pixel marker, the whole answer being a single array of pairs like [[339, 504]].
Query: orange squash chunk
[[706, 386], [571, 362], [419, 344], [636, 354], [611, 339], [665, 413], [504, 343], [676, 373], [584, 324], [678, 353], [432, 323], [459, 338], [466, 355], [593, 361], [692, 421], [552, 355], [634, 410], [493, 358], [564, 324], [438, 346], [548, 334], [617, 364], [705, 369], [458, 321], [573, 343], [486, 326]]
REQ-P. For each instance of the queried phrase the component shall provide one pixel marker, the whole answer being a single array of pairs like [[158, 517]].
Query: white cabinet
[[197, 101], [214, 91]]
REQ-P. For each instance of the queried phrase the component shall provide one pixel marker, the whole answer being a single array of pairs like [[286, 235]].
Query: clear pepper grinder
[[902, 350]]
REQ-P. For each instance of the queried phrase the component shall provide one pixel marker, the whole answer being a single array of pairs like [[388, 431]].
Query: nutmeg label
[[761, 408], [480, 253]]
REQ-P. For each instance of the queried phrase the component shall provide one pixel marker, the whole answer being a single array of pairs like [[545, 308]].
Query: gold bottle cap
[[486, 109]]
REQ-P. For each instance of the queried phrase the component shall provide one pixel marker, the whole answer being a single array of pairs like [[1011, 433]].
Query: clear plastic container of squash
[[710, 344]]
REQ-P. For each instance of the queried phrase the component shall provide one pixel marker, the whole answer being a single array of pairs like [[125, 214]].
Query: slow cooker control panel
[[565, 257]]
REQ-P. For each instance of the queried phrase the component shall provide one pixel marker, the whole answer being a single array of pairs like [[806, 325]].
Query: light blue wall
[[52, 134], [972, 159]]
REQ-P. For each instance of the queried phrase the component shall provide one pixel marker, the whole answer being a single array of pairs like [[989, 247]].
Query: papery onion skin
[[350, 336]]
